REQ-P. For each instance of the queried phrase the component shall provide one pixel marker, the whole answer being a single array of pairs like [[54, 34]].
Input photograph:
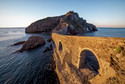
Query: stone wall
[[70, 53]]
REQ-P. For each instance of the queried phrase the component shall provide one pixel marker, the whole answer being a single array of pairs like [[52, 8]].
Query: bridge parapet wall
[[69, 48]]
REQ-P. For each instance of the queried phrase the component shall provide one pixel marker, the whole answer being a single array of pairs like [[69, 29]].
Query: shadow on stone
[[89, 59], [60, 46]]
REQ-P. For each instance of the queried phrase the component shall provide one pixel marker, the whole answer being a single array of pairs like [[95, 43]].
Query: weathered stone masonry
[[68, 56]]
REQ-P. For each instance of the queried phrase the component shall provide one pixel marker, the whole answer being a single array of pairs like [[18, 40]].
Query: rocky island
[[68, 24], [80, 59]]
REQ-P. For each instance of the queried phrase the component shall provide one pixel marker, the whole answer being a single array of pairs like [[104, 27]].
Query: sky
[[102, 13]]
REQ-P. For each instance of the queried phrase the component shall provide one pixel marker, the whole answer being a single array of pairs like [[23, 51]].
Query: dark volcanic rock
[[18, 43], [32, 42], [70, 23]]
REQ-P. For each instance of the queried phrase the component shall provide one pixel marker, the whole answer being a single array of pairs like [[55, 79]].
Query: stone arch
[[87, 57]]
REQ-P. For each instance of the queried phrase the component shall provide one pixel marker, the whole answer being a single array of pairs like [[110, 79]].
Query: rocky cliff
[[70, 23]]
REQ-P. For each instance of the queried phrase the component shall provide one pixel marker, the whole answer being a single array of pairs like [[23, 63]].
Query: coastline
[[37, 49]]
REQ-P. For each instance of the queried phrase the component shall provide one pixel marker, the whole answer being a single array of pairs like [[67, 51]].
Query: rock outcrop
[[49, 39], [70, 23], [32, 42], [47, 49], [44, 25], [91, 27], [18, 43]]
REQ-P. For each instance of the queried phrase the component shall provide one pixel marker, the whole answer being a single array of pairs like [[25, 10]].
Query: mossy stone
[[118, 49]]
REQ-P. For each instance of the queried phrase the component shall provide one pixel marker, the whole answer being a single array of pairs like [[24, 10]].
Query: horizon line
[[97, 27]]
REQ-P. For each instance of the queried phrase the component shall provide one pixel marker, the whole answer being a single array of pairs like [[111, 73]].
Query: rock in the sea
[[18, 43], [70, 23], [49, 39], [47, 49], [33, 42]]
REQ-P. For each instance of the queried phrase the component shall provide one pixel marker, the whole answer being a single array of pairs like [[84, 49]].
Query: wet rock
[[51, 46], [49, 39], [50, 75], [33, 42], [18, 43], [47, 49]]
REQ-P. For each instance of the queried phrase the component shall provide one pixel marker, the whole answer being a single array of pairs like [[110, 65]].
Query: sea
[[30, 67]]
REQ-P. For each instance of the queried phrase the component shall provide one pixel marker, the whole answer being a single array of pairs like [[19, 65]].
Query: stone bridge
[[85, 60]]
